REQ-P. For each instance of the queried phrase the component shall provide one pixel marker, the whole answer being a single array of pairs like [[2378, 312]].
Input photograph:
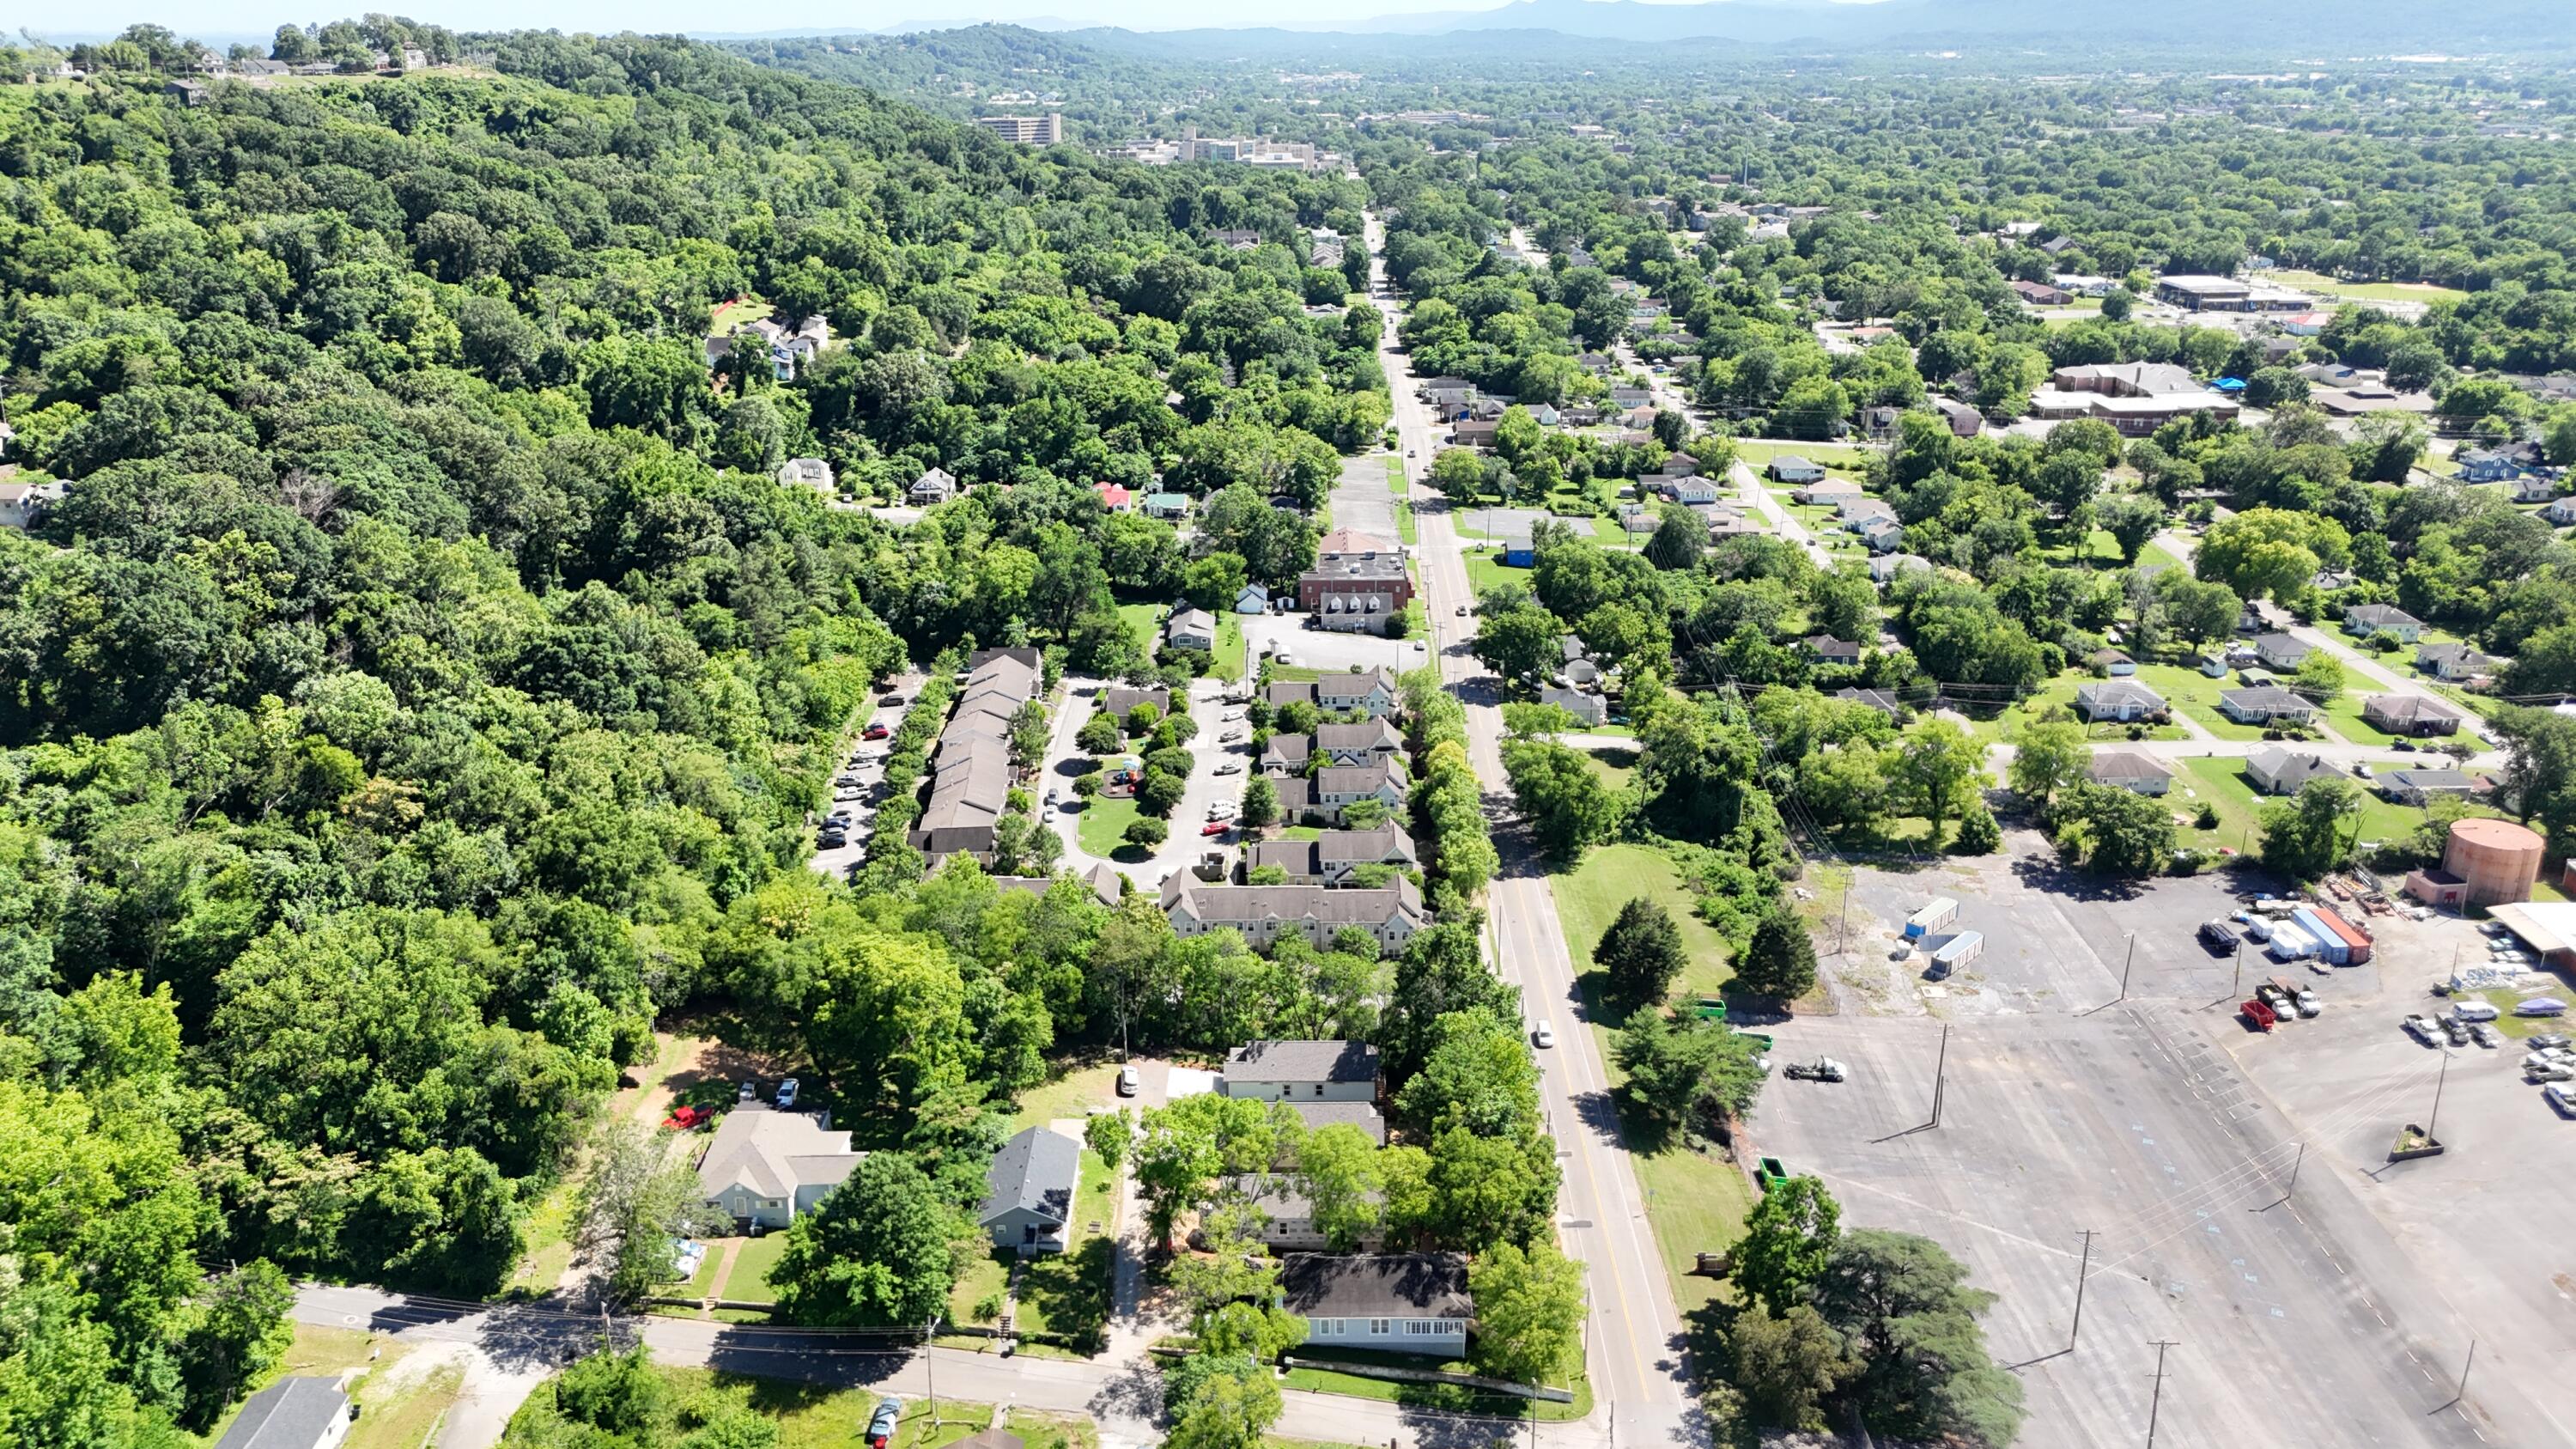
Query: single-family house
[[23, 505], [1790, 468], [2534, 488], [1882, 535], [1856, 512], [809, 473], [1288, 1214], [765, 1168], [2363, 620], [1691, 490], [2277, 771], [2279, 651], [1392, 1302], [2452, 661], [1965, 421], [2041, 294], [2561, 511], [2112, 662], [2410, 714], [1117, 699], [1113, 497], [2119, 701], [1447, 392], [1191, 629], [300, 1411], [1370, 692], [1883, 568], [1474, 433], [1331, 857], [1588, 708], [1679, 465], [2267, 704], [1303, 1071], [2419, 787], [1877, 699], [934, 486], [1252, 599], [1028, 1205], [2135, 771], [1631, 397], [1166, 506], [2496, 465], [1830, 650], [1825, 493]]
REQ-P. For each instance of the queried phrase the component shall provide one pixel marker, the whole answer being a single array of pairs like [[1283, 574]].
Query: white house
[[2131, 770], [300, 1411], [2279, 651], [2119, 700], [1191, 629], [1288, 1214], [933, 486], [1393, 1302]]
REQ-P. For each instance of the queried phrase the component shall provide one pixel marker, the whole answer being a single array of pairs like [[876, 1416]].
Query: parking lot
[[2337, 1312], [1327, 649], [863, 762], [1209, 750]]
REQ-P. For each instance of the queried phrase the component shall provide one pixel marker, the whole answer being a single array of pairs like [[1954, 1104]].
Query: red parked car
[[1216, 827], [687, 1119], [875, 732]]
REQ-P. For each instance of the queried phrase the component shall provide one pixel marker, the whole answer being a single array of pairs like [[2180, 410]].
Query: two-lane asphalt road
[[1633, 1334]]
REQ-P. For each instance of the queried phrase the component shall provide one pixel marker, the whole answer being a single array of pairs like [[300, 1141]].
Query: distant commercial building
[[1044, 130]]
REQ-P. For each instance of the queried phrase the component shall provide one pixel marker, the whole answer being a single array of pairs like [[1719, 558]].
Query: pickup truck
[[1822, 1069], [2420, 1027]]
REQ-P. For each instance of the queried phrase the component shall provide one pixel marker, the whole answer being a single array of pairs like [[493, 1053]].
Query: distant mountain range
[[2335, 26], [2330, 28]]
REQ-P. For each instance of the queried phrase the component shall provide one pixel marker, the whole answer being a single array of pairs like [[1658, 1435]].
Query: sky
[[206, 19]]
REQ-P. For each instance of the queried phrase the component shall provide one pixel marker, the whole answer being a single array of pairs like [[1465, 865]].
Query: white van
[[2474, 1010]]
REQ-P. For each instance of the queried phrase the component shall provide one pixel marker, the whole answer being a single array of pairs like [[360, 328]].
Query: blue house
[[1517, 552]]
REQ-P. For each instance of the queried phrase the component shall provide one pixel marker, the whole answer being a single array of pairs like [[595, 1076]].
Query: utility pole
[[2464, 1372], [2125, 963], [930, 1369], [2238, 984], [2295, 1164], [2082, 1271], [2156, 1401], [1940, 1074], [2436, 1115]]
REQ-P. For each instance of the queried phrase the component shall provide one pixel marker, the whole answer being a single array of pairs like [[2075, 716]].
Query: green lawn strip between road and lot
[[1589, 897], [1228, 662], [1443, 1398], [748, 1281], [396, 1411], [1395, 482], [1405, 528]]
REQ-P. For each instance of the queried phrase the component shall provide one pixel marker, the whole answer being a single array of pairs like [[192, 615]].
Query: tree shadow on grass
[[1070, 1292]]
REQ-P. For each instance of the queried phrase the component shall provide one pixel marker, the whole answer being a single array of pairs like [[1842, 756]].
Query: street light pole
[[2130, 960], [2157, 1401], [2082, 1271]]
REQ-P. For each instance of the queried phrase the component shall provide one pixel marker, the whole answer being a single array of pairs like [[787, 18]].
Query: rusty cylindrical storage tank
[[2497, 859]]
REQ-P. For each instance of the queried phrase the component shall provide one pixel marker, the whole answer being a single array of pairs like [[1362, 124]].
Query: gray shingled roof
[[288, 1414], [1305, 1061], [1376, 1285], [1034, 1170], [1362, 1115]]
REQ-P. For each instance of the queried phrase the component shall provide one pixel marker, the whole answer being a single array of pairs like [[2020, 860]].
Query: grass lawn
[[740, 314], [1697, 1205], [2195, 694], [1445, 1398], [1758, 452], [703, 1283], [749, 1280], [2520, 1026], [2220, 782], [1144, 621], [1228, 661], [1588, 899], [2154, 557], [2343, 715], [1405, 528], [1294, 673], [1395, 475], [2366, 291], [1486, 570], [1616, 761], [1102, 823], [978, 1287], [1070, 1094], [1068, 1293]]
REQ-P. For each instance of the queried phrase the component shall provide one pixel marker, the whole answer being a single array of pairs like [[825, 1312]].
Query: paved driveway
[[863, 761], [1327, 649]]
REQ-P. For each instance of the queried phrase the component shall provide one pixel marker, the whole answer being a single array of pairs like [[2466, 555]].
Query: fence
[[1395, 1374]]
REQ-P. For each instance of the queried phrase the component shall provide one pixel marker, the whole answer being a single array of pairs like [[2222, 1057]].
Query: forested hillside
[[424, 682]]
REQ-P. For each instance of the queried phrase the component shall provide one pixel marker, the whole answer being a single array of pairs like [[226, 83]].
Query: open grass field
[[1847, 457], [1486, 570], [2324, 285], [1073, 1092], [739, 313], [1588, 899], [1228, 661], [1102, 825], [1696, 1204], [400, 1402]]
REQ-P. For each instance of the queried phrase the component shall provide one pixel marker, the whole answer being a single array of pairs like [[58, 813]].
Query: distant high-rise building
[[1044, 130]]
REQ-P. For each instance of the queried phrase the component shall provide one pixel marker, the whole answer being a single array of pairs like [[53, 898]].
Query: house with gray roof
[[1331, 857], [2265, 705], [1388, 915], [2279, 651], [300, 1411], [2419, 787], [2118, 700], [932, 487], [971, 773], [1028, 1207], [2363, 620], [2278, 771], [1118, 699], [1191, 629], [1287, 754], [1363, 1115], [1392, 1302], [2452, 661], [2410, 714], [765, 1168], [1587, 708], [1339, 787], [1307, 1070], [1365, 743], [2133, 770]]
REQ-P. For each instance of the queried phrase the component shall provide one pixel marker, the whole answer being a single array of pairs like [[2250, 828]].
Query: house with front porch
[[2267, 704], [2364, 620]]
